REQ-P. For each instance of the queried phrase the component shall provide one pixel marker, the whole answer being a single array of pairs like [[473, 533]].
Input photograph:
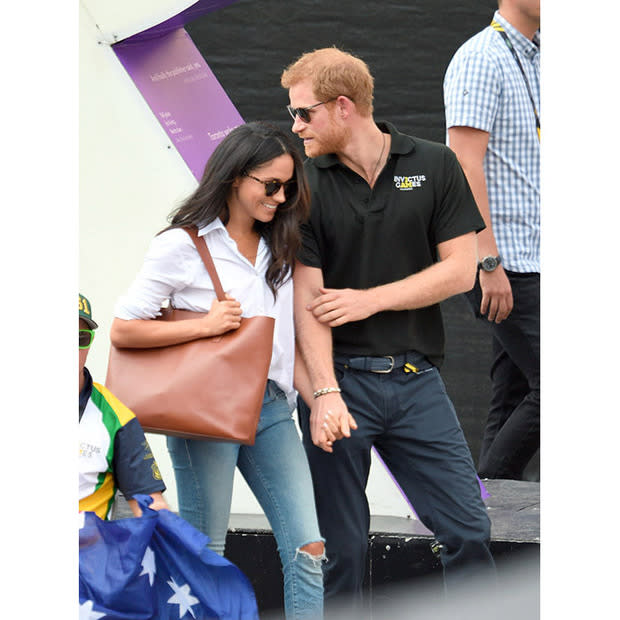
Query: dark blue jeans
[[512, 432], [411, 421]]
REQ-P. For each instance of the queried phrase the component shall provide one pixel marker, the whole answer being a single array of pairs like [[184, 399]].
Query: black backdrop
[[407, 46]]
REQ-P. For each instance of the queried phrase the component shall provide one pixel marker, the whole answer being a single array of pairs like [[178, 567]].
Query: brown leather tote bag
[[211, 388]]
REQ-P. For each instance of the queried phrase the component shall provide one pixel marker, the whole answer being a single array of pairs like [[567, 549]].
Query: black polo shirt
[[362, 237]]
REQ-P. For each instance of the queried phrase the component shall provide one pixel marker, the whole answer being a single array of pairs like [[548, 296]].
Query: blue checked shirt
[[484, 89]]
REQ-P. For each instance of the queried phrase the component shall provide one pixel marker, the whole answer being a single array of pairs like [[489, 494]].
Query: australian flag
[[156, 566]]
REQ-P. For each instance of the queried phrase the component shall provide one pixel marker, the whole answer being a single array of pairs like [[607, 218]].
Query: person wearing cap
[[114, 453]]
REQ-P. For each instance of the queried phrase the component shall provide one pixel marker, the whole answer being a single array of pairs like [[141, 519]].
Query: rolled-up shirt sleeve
[[164, 271]]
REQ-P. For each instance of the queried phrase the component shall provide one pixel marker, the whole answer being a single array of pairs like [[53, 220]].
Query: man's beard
[[332, 141]]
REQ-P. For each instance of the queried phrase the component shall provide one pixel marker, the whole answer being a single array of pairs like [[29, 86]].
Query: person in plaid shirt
[[492, 103]]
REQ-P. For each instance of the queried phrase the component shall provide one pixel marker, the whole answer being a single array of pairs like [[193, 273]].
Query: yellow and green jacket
[[114, 453]]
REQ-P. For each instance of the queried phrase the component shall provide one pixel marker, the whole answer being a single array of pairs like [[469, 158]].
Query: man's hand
[[336, 306], [330, 420], [496, 294]]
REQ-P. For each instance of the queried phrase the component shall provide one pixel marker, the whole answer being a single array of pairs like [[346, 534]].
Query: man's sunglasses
[[273, 187], [85, 338], [304, 113]]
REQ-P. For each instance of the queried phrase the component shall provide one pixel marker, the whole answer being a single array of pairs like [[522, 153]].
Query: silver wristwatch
[[489, 263]]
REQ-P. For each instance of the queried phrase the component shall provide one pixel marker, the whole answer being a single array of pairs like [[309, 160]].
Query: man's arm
[[454, 273], [470, 147], [314, 342]]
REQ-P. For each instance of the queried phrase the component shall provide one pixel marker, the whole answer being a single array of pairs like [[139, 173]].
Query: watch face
[[489, 263]]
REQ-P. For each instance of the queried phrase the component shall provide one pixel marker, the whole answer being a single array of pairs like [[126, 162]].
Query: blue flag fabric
[[157, 566]]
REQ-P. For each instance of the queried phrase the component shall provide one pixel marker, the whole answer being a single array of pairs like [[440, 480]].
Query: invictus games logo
[[408, 183], [88, 450]]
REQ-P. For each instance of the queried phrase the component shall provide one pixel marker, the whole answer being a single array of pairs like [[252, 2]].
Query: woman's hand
[[223, 316]]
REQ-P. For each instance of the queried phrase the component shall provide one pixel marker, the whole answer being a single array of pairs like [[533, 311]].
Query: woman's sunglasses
[[85, 338], [273, 187]]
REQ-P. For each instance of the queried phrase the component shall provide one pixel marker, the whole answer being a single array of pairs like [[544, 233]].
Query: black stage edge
[[399, 549], [402, 569]]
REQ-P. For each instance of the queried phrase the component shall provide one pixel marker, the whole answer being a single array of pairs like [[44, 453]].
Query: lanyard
[[498, 27]]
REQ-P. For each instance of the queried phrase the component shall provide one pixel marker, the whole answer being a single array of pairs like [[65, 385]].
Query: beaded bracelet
[[326, 390]]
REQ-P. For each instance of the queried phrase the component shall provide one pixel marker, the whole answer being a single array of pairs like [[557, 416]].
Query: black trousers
[[411, 421], [512, 432]]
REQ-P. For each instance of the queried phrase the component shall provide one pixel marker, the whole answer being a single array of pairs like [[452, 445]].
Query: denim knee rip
[[316, 559]]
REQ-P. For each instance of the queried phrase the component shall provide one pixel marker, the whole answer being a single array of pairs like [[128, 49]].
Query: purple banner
[[182, 92]]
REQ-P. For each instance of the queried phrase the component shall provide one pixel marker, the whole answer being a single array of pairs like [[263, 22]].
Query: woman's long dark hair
[[245, 148]]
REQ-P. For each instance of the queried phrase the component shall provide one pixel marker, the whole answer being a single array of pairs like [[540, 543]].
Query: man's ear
[[344, 106]]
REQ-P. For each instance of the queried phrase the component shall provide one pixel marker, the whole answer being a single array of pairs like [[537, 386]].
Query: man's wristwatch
[[489, 263]]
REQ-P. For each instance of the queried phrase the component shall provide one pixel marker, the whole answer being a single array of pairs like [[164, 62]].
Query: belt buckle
[[390, 369]]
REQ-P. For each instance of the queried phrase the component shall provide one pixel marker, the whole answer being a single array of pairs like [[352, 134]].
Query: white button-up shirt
[[173, 270]]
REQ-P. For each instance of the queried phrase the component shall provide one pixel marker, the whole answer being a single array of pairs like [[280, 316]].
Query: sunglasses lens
[[85, 338], [290, 188], [272, 187], [303, 113]]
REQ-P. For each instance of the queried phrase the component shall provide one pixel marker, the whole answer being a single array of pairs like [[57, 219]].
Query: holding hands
[[330, 420]]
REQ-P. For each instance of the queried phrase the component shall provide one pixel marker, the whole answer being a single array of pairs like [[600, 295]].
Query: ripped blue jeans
[[277, 472]]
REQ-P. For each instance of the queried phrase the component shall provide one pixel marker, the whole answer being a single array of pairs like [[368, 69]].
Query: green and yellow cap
[[86, 312]]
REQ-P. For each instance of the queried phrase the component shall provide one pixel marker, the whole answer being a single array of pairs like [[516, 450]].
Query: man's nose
[[298, 124]]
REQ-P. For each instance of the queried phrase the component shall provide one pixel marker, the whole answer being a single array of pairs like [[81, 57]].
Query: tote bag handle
[[203, 250]]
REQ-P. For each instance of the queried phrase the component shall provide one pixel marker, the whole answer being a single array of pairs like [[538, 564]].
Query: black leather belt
[[381, 364]]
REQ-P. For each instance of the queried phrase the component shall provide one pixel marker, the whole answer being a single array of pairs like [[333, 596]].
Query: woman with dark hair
[[247, 208]]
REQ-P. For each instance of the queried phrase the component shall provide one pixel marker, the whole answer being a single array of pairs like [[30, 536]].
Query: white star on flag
[[182, 598], [148, 565], [87, 613]]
